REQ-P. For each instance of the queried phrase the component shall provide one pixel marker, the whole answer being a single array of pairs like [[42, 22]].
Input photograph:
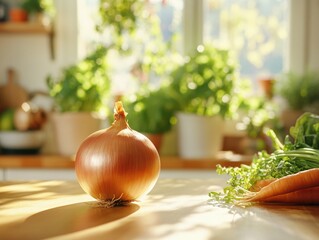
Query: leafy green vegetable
[[306, 131], [288, 158]]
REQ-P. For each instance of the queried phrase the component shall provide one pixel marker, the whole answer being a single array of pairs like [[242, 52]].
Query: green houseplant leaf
[[82, 87], [205, 82], [152, 111], [121, 18], [300, 90], [37, 6]]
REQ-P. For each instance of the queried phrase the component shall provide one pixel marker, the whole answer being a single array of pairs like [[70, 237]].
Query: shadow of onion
[[67, 219]]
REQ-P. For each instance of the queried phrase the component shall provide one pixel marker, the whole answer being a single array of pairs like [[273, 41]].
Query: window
[[255, 31]]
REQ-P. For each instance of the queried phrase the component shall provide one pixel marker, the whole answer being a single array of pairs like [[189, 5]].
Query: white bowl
[[21, 140]]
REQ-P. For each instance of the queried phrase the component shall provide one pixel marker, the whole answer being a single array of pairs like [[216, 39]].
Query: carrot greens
[[298, 153]]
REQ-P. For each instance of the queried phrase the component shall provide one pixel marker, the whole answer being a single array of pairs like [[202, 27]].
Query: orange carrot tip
[[290, 183], [260, 184]]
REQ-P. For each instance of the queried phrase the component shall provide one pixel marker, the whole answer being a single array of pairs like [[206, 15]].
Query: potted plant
[[16, 13], [205, 86], [259, 115], [79, 94], [300, 93], [152, 112], [36, 9]]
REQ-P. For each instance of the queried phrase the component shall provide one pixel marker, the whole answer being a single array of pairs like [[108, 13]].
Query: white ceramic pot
[[72, 128], [199, 136]]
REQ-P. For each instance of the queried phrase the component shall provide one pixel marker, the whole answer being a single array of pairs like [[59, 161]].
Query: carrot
[[303, 196], [290, 183], [260, 184]]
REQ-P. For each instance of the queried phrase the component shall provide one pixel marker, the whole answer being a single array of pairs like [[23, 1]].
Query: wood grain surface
[[175, 209]]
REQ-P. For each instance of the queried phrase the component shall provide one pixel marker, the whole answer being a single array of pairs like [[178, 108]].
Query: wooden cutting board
[[12, 95]]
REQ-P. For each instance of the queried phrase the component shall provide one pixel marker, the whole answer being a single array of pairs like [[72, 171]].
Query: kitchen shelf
[[29, 28]]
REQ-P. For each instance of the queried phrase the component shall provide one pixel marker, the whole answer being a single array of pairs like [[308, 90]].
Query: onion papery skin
[[117, 163]]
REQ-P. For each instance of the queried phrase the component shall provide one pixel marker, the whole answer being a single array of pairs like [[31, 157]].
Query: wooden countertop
[[175, 209], [167, 162]]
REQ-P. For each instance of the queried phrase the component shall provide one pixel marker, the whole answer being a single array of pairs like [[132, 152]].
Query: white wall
[[304, 36], [313, 39], [29, 54]]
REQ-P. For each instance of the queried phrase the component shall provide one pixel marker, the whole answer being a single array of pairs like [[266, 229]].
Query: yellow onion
[[117, 163]]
